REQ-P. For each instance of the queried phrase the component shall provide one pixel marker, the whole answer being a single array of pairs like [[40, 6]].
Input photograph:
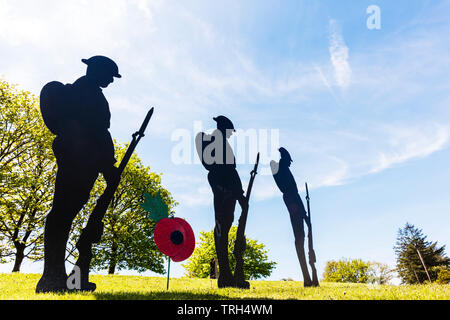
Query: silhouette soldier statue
[[287, 185], [217, 157], [79, 115]]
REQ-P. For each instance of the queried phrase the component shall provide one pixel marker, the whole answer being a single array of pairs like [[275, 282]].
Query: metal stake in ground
[[168, 272]]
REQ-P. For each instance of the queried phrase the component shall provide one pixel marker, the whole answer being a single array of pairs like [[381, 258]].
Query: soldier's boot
[[83, 264], [239, 276], [51, 284], [81, 270], [54, 277], [299, 246], [242, 284], [225, 278], [81, 284]]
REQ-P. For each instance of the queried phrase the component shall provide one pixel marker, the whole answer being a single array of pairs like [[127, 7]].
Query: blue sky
[[364, 113]]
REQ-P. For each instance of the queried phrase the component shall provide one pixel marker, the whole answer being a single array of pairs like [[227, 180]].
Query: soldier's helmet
[[224, 123], [102, 65], [285, 154]]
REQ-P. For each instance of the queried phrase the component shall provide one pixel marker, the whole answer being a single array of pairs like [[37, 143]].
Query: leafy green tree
[[127, 241], [353, 271], [256, 264], [411, 248], [27, 171], [19, 114], [443, 274]]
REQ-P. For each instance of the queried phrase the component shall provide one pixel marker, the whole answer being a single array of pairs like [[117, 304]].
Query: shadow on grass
[[158, 295]]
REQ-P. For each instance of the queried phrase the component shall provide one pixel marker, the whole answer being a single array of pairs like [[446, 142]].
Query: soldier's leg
[[72, 188], [224, 206], [296, 216], [90, 234]]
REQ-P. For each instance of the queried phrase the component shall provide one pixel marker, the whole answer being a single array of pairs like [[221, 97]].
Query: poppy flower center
[[176, 237]]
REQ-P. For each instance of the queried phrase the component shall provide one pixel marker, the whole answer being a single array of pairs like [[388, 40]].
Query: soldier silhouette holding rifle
[[287, 185], [217, 157], [79, 115]]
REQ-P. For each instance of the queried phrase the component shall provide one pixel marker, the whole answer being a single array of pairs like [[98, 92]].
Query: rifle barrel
[[312, 254], [240, 242], [146, 121], [136, 137], [253, 173]]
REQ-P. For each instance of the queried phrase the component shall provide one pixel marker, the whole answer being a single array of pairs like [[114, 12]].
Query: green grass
[[21, 287]]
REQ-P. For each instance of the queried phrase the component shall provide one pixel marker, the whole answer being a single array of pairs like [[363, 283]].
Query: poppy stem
[[168, 272]]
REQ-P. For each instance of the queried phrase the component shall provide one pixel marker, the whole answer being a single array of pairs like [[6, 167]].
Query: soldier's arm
[[238, 191]]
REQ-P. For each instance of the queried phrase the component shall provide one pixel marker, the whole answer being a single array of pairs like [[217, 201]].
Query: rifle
[[93, 231], [240, 242], [311, 253]]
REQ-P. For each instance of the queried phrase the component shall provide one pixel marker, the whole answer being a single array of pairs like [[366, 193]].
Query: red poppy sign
[[174, 237]]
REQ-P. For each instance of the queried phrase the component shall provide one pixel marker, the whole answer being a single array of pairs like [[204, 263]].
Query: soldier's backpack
[[55, 102], [202, 140]]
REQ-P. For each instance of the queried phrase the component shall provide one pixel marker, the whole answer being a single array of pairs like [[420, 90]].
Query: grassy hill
[[21, 286]]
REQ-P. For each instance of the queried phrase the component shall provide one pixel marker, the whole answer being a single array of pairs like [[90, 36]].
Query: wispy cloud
[[411, 143], [190, 190], [339, 54], [327, 84], [334, 158]]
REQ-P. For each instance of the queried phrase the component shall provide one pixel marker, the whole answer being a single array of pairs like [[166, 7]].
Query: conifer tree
[[416, 256]]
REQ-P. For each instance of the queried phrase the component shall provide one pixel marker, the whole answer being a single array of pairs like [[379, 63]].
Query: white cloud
[[410, 143], [198, 197], [56, 25], [334, 158], [148, 6], [339, 56], [189, 190], [336, 177]]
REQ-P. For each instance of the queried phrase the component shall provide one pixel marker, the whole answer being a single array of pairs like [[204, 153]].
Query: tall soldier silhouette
[[79, 115], [217, 157], [287, 185]]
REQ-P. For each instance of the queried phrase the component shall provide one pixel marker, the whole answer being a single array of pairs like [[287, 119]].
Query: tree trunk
[[113, 261], [112, 268], [20, 248]]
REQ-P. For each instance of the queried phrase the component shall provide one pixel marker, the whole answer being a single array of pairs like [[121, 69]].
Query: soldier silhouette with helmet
[[217, 157], [287, 185], [79, 115]]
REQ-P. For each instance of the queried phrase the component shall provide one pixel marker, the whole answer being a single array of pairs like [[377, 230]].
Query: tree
[[353, 271], [19, 114], [256, 264], [443, 274], [357, 271], [27, 171], [380, 273], [416, 256], [127, 241]]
